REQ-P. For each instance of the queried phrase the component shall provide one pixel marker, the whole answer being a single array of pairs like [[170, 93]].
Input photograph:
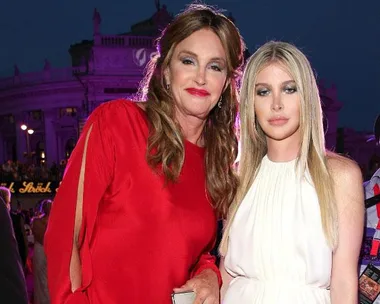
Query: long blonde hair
[[312, 153], [165, 142]]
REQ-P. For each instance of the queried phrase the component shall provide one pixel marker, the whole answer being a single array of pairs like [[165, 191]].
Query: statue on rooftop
[[157, 3], [96, 22]]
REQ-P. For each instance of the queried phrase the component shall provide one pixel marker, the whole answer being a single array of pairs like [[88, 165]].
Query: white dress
[[277, 250]]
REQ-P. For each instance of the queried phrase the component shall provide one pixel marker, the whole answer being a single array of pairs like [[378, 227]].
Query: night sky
[[340, 37]]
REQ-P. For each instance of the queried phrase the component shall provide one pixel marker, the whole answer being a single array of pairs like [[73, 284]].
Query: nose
[[200, 77], [277, 102]]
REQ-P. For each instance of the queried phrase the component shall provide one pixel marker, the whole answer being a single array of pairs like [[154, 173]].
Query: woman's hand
[[205, 285]]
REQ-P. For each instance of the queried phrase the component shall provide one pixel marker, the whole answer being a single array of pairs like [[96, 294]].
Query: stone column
[[50, 115]]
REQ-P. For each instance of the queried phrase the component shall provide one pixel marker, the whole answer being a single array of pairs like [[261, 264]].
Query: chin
[[200, 111], [280, 135], [279, 138]]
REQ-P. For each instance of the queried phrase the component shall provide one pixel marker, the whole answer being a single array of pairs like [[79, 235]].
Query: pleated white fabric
[[277, 250]]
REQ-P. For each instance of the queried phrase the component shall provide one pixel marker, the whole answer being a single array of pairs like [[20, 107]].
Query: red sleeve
[[207, 261], [94, 151]]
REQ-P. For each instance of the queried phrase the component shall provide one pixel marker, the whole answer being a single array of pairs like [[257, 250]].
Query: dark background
[[340, 37]]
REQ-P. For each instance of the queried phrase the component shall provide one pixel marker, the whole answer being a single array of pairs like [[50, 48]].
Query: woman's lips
[[278, 121], [197, 92]]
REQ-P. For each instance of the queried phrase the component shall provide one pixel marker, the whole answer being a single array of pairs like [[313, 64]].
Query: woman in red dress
[[135, 215]]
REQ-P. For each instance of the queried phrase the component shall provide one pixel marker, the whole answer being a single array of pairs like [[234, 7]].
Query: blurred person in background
[[39, 225], [12, 280], [18, 226]]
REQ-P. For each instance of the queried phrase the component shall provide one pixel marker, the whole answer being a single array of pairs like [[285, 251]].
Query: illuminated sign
[[32, 187]]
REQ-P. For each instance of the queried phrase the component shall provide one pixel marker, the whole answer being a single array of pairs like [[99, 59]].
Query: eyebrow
[[268, 85], [196, 56]]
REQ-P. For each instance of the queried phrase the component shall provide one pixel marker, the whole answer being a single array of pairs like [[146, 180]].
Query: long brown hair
[[165, 142]]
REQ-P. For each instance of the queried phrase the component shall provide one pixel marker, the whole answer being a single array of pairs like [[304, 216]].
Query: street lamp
[[27, 133]]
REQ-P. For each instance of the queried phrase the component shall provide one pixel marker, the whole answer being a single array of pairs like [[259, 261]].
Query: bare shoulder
[[343, 170], [348, 181]]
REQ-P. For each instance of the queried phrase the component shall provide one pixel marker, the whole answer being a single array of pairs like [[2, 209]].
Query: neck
[[193, 134], [192, 128], [282, 151]]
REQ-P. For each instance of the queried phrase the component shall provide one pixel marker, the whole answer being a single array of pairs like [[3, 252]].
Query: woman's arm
[[72, 219], [38, 230], [207, 261], [350, 206], [226, 278], [205, 279]]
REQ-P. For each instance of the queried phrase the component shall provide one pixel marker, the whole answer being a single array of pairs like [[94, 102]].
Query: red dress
[[139, 237]]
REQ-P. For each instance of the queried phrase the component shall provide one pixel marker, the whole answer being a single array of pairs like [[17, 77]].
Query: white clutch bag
[[183, 297]]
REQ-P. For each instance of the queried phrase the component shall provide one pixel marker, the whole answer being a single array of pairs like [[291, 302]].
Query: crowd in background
[[12, 171], [18, 171]]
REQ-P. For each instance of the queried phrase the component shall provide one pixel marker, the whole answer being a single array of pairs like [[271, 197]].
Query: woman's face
[[277, 104], [197, 74]]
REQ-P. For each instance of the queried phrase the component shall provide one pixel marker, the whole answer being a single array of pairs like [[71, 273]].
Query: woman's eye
[[290, 90], [262, 92], [187, 61], [216, 68]]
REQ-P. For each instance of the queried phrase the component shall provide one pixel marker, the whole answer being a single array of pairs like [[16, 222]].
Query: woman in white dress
[[294, 232]]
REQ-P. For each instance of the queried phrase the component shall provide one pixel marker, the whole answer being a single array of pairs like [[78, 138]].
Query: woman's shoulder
[[120, 104], [114, 110], [343, 169]]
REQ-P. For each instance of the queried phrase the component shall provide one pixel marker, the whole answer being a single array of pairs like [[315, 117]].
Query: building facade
[[54, 103]]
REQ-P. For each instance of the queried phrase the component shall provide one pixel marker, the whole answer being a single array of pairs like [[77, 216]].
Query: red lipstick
[[198, 92]]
